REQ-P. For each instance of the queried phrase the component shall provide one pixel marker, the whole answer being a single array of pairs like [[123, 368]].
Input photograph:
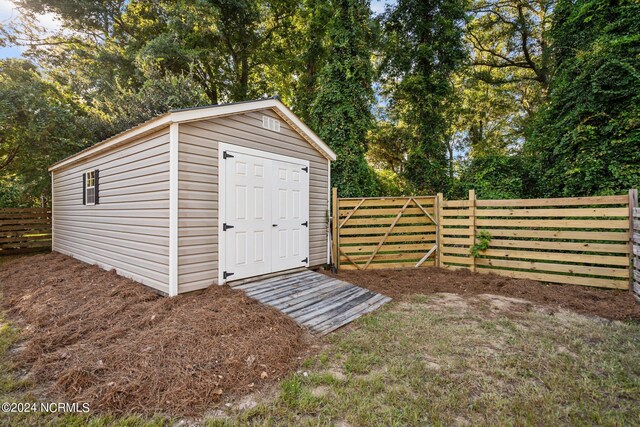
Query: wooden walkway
[[319, 302]]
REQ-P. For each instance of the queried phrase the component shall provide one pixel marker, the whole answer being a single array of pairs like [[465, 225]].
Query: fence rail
[[578, 240], [24, 230]]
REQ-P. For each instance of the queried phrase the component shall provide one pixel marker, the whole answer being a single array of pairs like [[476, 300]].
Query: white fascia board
[[222, 177]]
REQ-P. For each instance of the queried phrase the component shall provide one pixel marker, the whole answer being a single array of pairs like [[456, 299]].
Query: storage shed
[[197, 197]]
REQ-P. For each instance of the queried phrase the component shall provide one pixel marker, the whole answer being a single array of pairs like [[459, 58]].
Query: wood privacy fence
[[636, 253], [580, 240], [24, 230]]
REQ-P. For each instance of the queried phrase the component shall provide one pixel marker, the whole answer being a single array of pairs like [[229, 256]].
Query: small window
[[271, 123], [90, 188]]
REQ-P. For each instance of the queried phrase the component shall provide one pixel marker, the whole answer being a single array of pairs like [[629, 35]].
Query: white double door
[[265, 213]]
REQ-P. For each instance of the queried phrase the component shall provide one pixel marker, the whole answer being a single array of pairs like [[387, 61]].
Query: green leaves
[[483, 239], [586, 140], [422, 48], [39, 123], [513, 98], [340, 110]]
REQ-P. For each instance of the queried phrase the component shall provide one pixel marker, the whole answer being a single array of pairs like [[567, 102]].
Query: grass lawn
[[441, 359], [444, 359]]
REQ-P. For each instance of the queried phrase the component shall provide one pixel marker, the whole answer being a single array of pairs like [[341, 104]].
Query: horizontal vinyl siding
[[198, 211], [198, 184], [129, 229]]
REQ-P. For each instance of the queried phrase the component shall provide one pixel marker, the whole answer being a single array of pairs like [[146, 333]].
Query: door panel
[[266, 201], [291, 186], [248, 212]]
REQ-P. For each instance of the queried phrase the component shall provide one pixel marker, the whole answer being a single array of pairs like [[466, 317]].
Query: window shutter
[[97, 188], [84, 188]]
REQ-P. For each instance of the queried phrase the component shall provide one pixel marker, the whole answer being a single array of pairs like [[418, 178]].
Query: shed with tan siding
[[198, 197]]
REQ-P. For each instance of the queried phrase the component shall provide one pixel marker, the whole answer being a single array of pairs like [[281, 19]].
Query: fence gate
[[373, 233]]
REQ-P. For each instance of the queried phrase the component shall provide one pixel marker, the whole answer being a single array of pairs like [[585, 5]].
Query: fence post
[[334, 225], [633, 203], [472, 227], [439, 207]]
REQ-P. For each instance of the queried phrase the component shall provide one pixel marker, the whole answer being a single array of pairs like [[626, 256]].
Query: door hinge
[[226, 226], [226, 155], [306, 223], [306, 169], [226, 274], [306, 260]]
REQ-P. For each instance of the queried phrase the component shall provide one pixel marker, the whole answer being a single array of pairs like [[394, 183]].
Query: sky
[[9, 12]]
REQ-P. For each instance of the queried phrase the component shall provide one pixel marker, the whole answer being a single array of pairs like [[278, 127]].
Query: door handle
[[274, 225]]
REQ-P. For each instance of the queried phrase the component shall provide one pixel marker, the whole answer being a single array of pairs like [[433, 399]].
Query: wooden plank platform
[[319, 302]]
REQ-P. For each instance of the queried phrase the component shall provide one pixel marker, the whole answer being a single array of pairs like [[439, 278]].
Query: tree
[[585, 141], [512, 35], [493, 176], [313, 21], [509, 72], [38, 125], [125, 107], [234, 49], [422, 48], [234, 43], [97, 19], [341, 108]]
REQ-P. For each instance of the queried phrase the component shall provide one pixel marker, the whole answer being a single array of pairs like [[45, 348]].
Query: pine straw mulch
[[93, 336]]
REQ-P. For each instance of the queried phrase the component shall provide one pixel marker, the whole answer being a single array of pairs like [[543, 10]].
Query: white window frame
[[87, 187]]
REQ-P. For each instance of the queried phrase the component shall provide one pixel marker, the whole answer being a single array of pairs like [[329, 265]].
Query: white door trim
[[328, 213], [259, 153], [222, 147]]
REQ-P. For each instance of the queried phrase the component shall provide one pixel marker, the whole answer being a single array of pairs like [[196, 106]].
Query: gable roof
[[202, 113]]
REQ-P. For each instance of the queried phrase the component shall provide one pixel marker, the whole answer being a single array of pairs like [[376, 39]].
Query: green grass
[[459, 362], [436, 360]]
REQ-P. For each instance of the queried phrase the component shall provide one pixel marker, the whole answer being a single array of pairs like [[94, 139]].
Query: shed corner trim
[[174, 135]]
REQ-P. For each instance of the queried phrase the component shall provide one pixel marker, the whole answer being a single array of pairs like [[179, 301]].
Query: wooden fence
[[581, 240], [384, 232], [635, 244], [24, 230]]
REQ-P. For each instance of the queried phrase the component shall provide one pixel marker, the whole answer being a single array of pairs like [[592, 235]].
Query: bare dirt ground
[[609, 304], [89, 335]]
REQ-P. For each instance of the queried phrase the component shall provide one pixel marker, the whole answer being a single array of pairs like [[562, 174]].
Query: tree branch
[[478, 45], [10, 157], [524, 37]]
